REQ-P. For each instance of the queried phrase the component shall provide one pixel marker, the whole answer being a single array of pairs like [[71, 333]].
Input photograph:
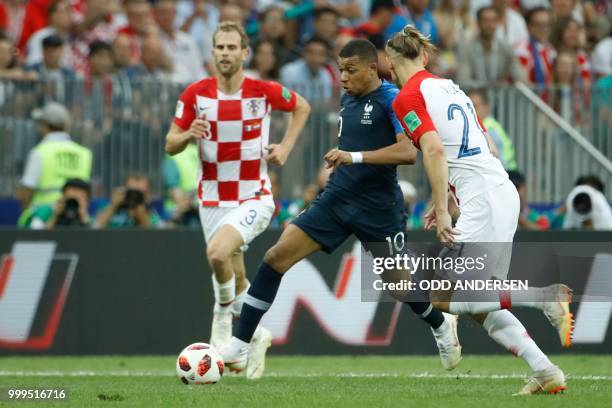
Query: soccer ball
[[199, 363]]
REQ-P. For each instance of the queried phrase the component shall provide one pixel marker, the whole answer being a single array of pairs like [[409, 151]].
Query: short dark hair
[[483, 10], [591, 180], [317, 40], [77, 183], [532, 12], [363, 49], [99, 46], [325, 10], [381, 5], [52, 41], [517, 178]]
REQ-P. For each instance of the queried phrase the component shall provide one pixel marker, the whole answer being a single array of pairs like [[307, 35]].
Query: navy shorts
[[330, 220]]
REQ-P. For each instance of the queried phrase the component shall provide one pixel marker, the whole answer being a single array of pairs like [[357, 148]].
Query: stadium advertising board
[[134, 292]]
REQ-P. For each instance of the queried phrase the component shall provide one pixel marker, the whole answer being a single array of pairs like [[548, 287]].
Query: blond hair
[[410, 43], [229, 26]]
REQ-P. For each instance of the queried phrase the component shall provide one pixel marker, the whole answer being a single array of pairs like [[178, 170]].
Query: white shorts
[[487, 225], [491, 216], [250, 219]]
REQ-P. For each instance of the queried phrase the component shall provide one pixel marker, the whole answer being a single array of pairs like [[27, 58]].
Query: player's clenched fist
[[199, 129], [277, 154], [335, 158]]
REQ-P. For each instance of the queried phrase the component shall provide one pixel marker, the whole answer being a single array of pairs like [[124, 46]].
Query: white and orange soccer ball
[[199, 363]]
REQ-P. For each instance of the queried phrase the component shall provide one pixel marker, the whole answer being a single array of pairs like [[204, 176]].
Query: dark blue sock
[[258, 300], [434, 317]]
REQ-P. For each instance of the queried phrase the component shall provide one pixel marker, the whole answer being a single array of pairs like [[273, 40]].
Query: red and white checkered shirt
[[233, 166]]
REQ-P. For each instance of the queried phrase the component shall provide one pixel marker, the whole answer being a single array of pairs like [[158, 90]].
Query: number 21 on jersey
[[464, 150]]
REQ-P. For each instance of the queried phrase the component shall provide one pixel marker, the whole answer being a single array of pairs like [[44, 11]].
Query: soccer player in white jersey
[[229, 117], [441, 121]]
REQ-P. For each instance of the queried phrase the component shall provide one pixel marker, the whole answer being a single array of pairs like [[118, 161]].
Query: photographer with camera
[[587, 207], [130, 206], [71, 210]]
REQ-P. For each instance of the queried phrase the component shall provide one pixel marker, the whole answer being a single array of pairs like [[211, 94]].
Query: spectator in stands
[[538, 55], [505, 148], [566, 8], [50, 68], [231, 11], [273, 27], [122, 53], [454, 22], [155, 64], [527, 219], [101, 60], [417, 13], [130, 206], [45, 175], [602, 58], [93, 20], [568, 37], [308, 75], [199, 18], [348, 9], [512, 28], [325, 26], [264, 64], [71, 210], [140, 24], [326, 23], [180, 171], [565, 70], [19, 19], [587, 206], [381, 15], [60, 23], [487, 60], [9, 67], [179, 46]]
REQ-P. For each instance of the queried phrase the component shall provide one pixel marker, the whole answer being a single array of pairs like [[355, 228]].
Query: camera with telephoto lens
[[133, 199], [70, 217]]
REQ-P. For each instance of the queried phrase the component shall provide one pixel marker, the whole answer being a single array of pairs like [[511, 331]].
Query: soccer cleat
[[234, 354], [549, 381], [558, 312], [260, 343], [448, 342], [221, 331]]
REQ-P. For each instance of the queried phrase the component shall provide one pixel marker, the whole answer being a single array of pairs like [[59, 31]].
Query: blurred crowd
[[543, 42], [552, 45]]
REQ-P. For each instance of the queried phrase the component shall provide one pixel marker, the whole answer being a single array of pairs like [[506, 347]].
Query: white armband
[[357, 157]]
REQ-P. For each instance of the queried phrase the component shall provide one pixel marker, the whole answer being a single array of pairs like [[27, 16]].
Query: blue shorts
[[330, 219]]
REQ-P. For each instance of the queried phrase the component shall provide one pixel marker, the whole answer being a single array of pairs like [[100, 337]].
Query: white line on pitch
[[165, 373]]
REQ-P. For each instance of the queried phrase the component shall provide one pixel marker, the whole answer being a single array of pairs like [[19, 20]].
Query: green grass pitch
[[303, 381]]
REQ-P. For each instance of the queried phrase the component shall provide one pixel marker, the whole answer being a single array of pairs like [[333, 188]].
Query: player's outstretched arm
[[278, 153], [402, 152], [436, 167]]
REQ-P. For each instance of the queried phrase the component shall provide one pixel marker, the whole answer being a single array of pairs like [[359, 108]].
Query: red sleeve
[[3, 17], [185, 108], [280, 97], [33, 21], [412, 113]]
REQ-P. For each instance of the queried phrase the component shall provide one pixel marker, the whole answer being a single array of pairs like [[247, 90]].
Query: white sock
[[224, 293], [237, 344], [239, 301], [463, 301], [507, 330]]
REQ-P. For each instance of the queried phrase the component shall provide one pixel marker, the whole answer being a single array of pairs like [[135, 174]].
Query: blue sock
[[425, 311], [258, 300]]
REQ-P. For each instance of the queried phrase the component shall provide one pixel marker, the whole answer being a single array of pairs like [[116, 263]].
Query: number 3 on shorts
[[249, 219]]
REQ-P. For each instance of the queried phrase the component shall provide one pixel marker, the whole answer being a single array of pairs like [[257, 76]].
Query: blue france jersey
[[367, 123]]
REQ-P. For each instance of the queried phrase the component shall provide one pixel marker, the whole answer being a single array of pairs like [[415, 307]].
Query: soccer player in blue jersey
[[362, 200]]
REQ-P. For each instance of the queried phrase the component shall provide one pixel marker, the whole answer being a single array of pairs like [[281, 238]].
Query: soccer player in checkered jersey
[[441, 121], [229, 117]]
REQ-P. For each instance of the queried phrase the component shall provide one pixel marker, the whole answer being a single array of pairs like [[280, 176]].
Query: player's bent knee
[[216, 255], [278, 259]]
